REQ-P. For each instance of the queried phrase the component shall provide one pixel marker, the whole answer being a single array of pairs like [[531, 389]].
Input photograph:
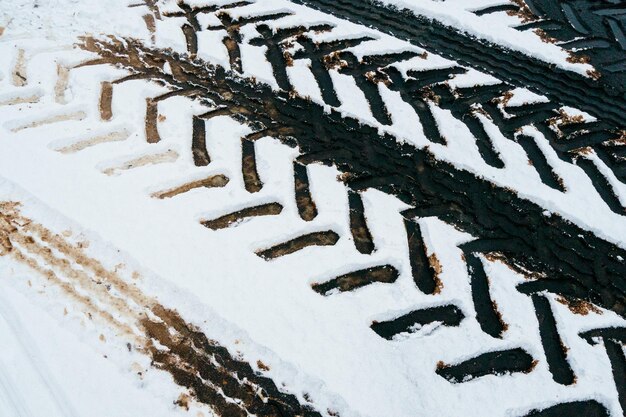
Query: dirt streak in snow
[[230, 386]]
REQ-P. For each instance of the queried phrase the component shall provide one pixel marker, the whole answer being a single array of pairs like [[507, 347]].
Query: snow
[[321, 346]]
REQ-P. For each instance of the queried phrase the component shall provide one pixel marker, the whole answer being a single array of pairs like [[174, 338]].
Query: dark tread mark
[[555, 350], [615, 352], [614, 339], [490, 363], [487, 313], [423, 276], [251, 180], [413, 91], [326, 238], [358, 225], [565, 288], [198, 143], [423, 89], [202, 366], [448, 315], [192, 26], [322, 55], [617, 334], [497, 8], [272, 40], [306, 206], [539, 161], [348, 282], [191, 39], [417, 91], [589, 408], [364, 74], [233, 39], [271, 209], [602, 185]]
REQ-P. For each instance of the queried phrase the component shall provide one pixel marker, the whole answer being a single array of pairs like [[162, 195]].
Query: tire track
[[548, 245], [561, 86], [229, 386]]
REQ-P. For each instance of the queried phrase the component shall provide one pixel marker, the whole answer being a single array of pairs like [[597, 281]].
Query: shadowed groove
[[321, 54]]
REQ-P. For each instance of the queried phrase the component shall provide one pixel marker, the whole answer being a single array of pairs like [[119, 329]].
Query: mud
[[491, 363], [210, 182], [251, 180], [152, 115], [198, 143], [358, 225], [306, 206], [150, 25], [271, 209], [580, 307], [326, 238], [106, 98], [158, 158], [353, 280]]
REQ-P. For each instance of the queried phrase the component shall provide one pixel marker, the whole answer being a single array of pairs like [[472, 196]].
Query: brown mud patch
[[214, 181], [578, 306], [271, 209], [326, 238]]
